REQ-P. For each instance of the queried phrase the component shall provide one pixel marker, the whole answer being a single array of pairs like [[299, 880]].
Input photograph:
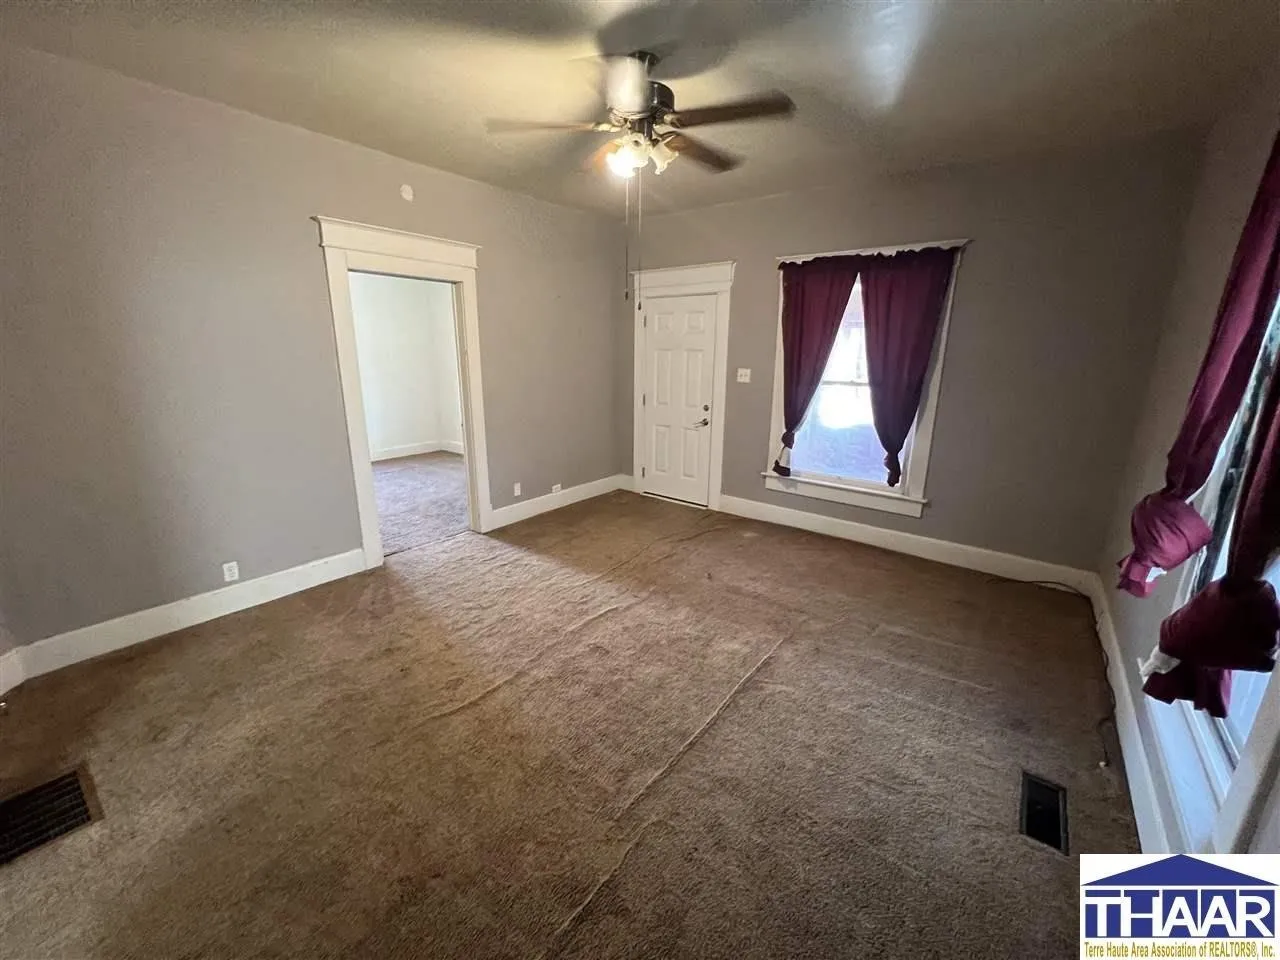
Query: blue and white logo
[[1179, 906]]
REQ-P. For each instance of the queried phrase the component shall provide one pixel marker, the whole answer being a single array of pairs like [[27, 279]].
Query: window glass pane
[[1246, 697], [837, 438], [1219, 501], [848, 359]]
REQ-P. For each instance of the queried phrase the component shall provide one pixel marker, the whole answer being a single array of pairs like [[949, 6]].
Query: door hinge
[[642, 473], [644, 321], [644, 399]]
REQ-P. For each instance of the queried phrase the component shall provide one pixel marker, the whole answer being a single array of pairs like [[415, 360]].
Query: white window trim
[[908, 499], [846, 491], [1223, 818]]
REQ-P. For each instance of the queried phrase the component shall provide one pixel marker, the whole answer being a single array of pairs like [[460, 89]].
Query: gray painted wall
[[169, 393], [1232, 162], [1057, 308]]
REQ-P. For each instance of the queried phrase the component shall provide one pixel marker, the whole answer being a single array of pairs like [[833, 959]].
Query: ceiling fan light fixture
[[619, 168], [662, 155], [631, 155]]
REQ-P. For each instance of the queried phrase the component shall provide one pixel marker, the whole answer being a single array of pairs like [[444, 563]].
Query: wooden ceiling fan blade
[[596, 162], [717, 161], [500, 125], [772, 104]]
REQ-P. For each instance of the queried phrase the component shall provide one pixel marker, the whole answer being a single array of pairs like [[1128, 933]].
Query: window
[[837, 440], [837, 455], [1217, 501]]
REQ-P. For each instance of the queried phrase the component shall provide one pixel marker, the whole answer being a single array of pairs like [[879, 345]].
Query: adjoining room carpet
[[625, 729], [420, 499]]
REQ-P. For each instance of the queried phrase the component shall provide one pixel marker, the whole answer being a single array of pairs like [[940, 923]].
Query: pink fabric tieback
[[1166, 532], [1226, 626], [1230, 626], [1208, 688]]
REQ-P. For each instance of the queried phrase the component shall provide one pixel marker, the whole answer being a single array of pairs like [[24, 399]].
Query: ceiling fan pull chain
[[626, 249], [639, 236]]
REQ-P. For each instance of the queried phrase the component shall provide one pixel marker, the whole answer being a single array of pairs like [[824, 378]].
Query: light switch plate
[[744, 374]]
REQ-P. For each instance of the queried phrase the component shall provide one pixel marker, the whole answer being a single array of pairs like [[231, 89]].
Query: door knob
[[702, 423]]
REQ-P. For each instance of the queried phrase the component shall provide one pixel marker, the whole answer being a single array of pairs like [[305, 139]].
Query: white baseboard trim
[[943, 551], [12, 672], [514, 513], [1146, 786], [64, 649], [85, 643], [413, 449]]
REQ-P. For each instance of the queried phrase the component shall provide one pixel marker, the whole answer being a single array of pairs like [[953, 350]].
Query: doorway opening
[[371, 257], [407, 350]]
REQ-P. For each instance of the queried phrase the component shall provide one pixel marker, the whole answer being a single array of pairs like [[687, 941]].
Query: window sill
[[870, 499]]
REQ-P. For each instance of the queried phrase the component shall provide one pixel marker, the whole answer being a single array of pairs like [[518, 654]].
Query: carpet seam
[[524, 667], [570, 921], [706, 725]]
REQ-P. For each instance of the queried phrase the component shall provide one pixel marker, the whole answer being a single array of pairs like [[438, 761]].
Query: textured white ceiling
[[879, 86]]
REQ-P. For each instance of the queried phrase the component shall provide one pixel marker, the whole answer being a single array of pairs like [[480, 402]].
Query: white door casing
[[681, 338], [679, 360], [357, 246]]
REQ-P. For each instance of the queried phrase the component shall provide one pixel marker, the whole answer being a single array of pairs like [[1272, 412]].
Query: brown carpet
[[420, 499], [625, 729]]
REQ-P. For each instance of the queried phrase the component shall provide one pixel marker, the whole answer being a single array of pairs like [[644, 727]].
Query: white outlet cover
[[406, 191], [230, 572], [515, 489], [744, 374]]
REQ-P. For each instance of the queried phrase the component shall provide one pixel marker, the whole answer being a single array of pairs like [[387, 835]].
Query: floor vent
[[36, 816], [1044, 811]]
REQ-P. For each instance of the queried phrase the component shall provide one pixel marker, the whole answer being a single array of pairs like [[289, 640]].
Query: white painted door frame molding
[[358, 246], [706, 278]]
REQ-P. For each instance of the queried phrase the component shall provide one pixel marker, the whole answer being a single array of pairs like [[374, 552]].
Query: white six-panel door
[[679, 363]]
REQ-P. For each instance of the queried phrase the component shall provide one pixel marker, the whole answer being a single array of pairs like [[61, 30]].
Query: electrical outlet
[[515, 489], [230, 572], [744, 374], [555, 488]]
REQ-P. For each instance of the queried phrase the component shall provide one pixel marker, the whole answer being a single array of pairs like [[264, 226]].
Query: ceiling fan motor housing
[[660, 101]]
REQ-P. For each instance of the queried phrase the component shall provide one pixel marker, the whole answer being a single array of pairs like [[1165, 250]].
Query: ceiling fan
[[639, 108]]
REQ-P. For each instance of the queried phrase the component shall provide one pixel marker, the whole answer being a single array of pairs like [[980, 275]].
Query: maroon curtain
[[1234, 623], [1166, 529], [903, 296], [814, 296]]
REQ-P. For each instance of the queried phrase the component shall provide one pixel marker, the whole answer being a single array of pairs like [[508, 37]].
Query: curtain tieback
[[1208, 688], [1166, 532], [894, 466], [782, 465], [1229, 625]]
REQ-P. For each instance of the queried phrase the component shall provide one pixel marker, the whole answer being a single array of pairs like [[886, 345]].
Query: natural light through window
[[1219, 502], [838, 438], [836, 454]]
